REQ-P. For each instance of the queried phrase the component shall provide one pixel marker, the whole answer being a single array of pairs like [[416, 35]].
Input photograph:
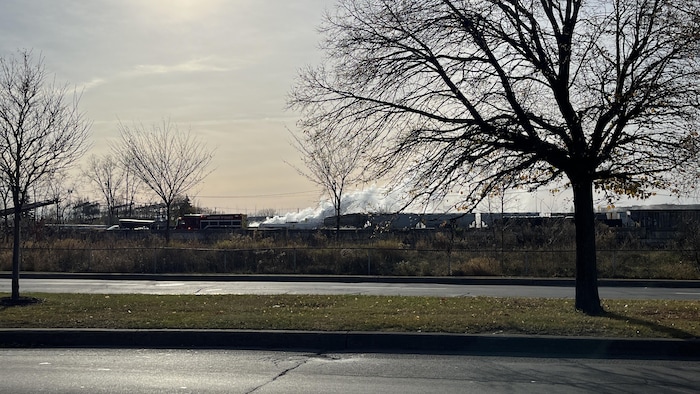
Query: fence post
[[527, 263], [369, 264], [449, 262], [614, 257], [294, 260]]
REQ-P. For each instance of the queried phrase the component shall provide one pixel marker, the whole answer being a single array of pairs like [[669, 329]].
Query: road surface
[[94, 286], [235, 371]]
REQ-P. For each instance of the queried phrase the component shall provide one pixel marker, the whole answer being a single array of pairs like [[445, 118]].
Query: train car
[[211, 222]]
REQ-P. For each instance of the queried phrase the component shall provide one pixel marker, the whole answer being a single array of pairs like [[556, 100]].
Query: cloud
[[92, 83], [198, 65], [191, 66]]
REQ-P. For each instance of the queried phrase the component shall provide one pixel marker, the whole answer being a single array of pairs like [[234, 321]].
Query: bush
[[477, 266]]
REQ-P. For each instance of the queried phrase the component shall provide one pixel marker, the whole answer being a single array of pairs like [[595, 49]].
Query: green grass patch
[[473, 315]]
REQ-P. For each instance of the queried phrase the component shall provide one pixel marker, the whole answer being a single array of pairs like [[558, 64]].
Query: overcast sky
[[221, 67]]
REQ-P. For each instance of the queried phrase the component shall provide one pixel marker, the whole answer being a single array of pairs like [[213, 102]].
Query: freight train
[[211, 222]]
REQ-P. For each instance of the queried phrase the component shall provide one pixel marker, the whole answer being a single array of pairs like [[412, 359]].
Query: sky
[[222, 68]]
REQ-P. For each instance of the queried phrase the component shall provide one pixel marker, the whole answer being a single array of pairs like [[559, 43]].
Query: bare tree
[[462, 93], [331, 163], [266, 212], [167, 160], [41, 133], [108, 176], [132, 186], [54, 189]]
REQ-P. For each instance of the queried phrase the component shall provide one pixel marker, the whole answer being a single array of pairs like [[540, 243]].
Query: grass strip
[[473, 315]]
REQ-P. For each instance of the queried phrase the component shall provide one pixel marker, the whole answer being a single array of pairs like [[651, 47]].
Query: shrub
[[477, 266]]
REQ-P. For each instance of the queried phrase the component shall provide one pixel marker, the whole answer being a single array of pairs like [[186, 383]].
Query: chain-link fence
[[671, 264]]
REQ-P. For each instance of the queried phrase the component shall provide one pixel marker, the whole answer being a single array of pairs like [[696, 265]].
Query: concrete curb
[[318, 341]]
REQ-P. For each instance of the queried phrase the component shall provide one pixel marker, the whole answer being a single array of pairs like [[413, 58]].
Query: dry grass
[[544, 253], [645, 319]]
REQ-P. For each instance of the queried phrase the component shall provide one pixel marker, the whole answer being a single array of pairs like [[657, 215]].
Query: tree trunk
[[337, 219], [337, 224], [16, 257], [587, 299], [167, 223]]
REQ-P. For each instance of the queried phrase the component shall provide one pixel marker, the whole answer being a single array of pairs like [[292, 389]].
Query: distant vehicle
[[136, 224], [210, 222]]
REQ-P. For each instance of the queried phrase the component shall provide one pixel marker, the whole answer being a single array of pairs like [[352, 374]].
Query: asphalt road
[[236, 371], [114, 286]]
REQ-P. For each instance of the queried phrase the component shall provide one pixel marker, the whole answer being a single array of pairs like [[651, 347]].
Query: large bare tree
[[41, 133], [463, 93], [167, 160]]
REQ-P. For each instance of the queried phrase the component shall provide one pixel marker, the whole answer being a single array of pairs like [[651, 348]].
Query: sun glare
[[178, 10]]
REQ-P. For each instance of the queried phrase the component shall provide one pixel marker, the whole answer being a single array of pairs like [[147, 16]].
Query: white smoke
[[371, 200], [382, 200]]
